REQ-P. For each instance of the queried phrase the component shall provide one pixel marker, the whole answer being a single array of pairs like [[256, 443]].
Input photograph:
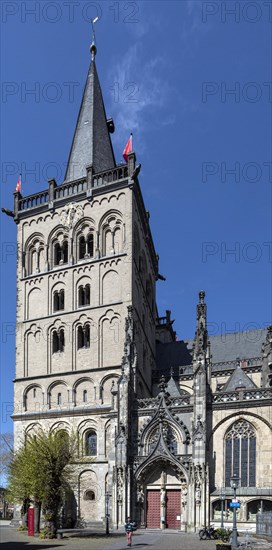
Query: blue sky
[[165, 69]]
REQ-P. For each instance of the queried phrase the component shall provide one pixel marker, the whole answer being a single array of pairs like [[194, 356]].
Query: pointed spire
[[266, 380], [201, 335], [91, 146]]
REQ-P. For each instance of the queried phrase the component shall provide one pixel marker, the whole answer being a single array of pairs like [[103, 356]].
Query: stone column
[[52, 185], [17, 196], [128, 512], [163, 508], [97, 251], [70, 252], [163, 500], [47, 257], [89, 170], [131, 163], [184, 495], [141, 503]]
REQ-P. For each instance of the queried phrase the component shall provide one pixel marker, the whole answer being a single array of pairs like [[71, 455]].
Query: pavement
[[11, 539]]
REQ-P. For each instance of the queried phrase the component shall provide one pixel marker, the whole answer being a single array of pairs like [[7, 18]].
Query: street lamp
[[234, 482], [222, 497], [107, 498]]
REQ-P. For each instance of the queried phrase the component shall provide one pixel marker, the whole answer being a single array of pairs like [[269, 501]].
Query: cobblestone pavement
[[142, 540]]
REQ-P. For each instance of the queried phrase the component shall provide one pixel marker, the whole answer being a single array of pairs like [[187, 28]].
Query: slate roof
[[91, 143], [224, 348], [246, 345], [172, 388], [239, 379]]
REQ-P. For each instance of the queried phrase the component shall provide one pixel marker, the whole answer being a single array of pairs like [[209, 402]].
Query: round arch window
[[89, 495]]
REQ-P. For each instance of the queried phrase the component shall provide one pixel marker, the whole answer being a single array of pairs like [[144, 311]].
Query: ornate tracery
[[240, 453]]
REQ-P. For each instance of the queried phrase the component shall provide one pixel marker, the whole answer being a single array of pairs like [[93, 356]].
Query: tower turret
[[266, 379]]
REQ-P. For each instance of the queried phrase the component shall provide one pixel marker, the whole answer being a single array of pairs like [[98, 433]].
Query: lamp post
[[107, 498], [222, 497], [234, 481]]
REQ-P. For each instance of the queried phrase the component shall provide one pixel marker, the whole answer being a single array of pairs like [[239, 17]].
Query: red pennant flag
[[128, 148], [19, 184]]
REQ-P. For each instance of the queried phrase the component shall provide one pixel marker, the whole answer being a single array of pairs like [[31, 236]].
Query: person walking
[[129, 528]]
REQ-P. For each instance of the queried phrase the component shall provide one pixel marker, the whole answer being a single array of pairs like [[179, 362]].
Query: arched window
[[34, 257], [90, 245], [61, 340], [240, 453], [41, 259], [84, 295], [89, 495], [80, 338], [91, 443], [58, 341], [61, 252], [85, 396], [85, 246], [58, 300], [59, 399], [61, 299], [55, 342], [81, 246], [83, 336], [81, 296], [65, 252], [57, 254]]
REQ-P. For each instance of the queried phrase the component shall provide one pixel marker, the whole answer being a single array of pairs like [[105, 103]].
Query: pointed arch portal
[[161, 488]]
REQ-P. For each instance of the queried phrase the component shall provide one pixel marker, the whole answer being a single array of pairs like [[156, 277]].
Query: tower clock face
[[71, 215]]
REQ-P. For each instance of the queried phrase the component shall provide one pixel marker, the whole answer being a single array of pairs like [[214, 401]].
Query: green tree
[[6, 454], [40, 472]]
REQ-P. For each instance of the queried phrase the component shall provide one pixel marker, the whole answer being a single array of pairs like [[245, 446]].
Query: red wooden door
[[173, 509], [153, 509]]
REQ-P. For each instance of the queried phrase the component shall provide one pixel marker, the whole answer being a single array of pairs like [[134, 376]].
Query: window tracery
[[240, 453], [91, 443], [169, 436]]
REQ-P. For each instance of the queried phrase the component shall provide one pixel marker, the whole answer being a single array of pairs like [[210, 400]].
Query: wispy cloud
[[141, 84], [193, 27], [139, 91]]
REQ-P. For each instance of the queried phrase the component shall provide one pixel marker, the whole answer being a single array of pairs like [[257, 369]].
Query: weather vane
[[93, 23]]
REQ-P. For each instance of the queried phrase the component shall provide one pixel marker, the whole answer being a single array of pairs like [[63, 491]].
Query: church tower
[[162, 429], [86, 272]]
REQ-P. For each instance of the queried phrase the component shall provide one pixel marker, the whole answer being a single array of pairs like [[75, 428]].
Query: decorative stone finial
[[162, 385], [201, 296], [93, 50]]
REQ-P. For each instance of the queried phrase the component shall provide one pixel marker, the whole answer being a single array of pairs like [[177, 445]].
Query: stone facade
[[163, 425]]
